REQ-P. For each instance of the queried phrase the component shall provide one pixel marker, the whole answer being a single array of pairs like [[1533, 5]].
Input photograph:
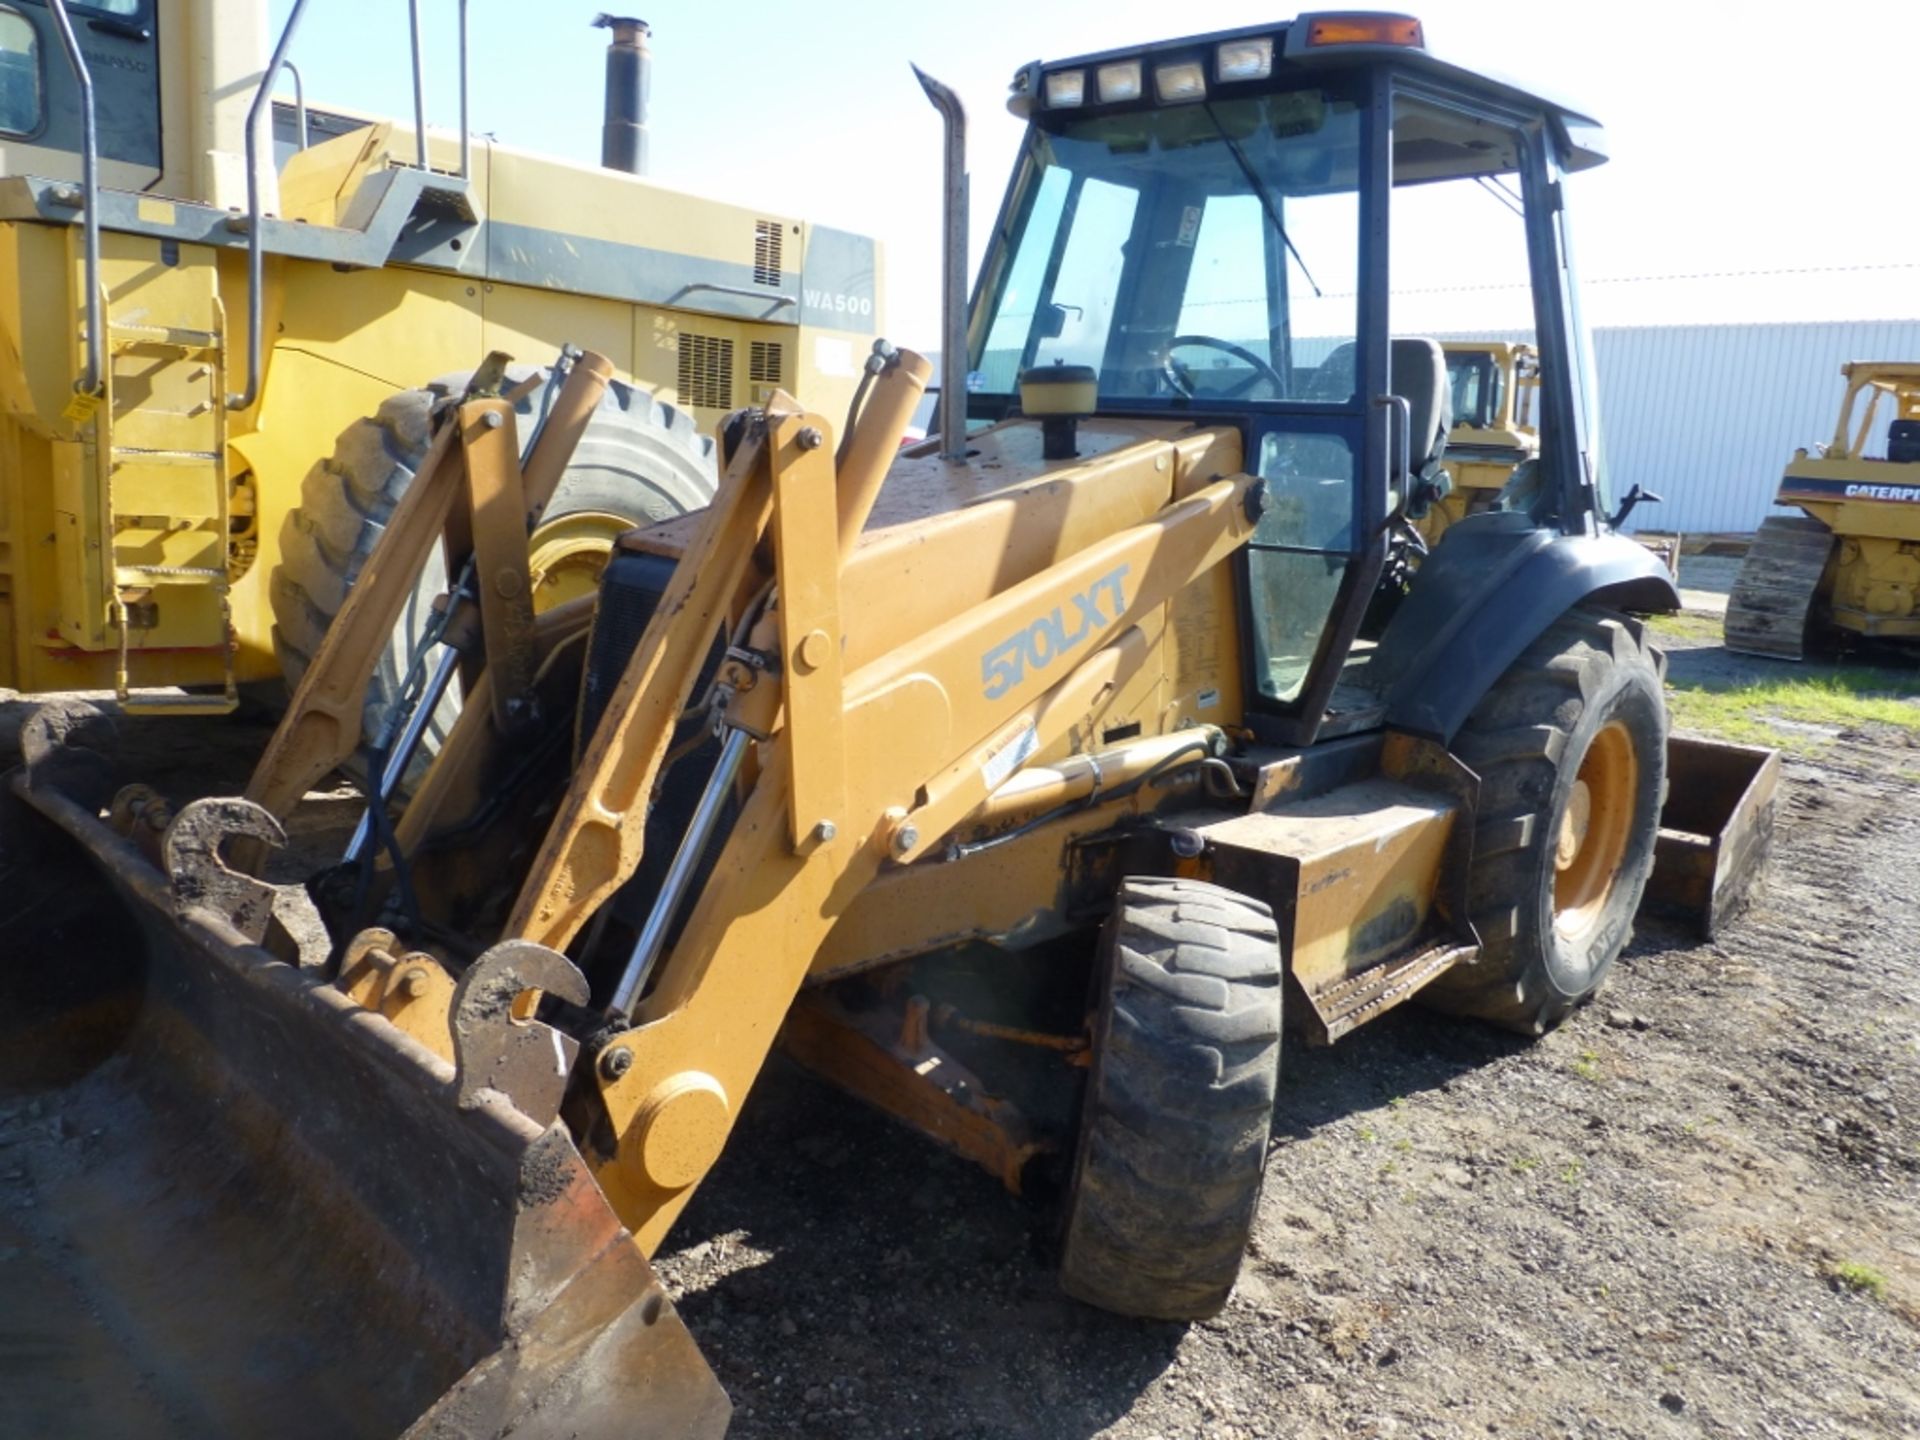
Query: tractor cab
[[1248, 228]]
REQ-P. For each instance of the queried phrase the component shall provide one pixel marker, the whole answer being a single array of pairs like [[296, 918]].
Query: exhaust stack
[[623, 133], [953, 269]]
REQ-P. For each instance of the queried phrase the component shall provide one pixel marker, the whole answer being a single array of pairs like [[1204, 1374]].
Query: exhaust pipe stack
[[623, 133], [953, 267]]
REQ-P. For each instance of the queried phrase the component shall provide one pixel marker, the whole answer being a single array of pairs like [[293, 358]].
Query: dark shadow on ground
[[823, 1214], [1403, 1053], [925, 1271]]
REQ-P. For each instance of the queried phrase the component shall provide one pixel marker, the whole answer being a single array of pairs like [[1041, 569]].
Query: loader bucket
[[1715, 830], [232, 1203]]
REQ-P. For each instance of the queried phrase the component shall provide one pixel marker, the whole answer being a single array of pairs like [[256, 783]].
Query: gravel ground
[[1692, 1211]]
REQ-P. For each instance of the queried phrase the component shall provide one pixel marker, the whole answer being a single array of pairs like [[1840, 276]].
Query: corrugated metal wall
[[1707, 416]]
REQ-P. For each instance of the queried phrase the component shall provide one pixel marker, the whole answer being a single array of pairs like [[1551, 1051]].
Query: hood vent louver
[[706, 371], [763, 362], [769, 238]]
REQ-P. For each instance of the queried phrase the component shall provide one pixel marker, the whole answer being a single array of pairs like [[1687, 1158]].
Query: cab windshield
[[1206, 252]]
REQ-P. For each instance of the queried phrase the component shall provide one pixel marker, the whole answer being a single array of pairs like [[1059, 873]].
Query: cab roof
[[1314, 42]]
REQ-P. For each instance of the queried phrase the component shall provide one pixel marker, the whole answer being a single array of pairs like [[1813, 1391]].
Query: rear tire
[[1571, 747], [1179, 1105], [640, 460]]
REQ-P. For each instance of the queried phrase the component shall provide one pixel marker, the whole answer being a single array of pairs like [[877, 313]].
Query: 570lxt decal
[[1039, 644]]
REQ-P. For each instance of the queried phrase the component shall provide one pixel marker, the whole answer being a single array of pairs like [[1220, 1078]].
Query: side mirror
[[1053, 320]]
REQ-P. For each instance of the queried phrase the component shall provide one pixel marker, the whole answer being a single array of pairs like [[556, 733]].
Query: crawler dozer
[[1849, 565], [1031, 783]]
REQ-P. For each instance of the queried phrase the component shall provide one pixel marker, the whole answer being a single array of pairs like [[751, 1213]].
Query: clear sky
[[1745, 137]]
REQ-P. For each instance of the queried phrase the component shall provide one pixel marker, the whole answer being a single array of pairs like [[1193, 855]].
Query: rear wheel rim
[[1595, 827]]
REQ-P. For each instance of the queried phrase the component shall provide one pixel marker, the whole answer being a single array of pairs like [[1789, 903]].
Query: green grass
[[1587, 1067], [1740, 710], [1687, 625], [1861, 1278]]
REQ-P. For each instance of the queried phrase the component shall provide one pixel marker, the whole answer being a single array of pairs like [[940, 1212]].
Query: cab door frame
[[1366, 421]]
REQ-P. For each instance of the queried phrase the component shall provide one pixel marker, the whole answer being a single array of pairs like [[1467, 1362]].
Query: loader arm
[[855, 770]]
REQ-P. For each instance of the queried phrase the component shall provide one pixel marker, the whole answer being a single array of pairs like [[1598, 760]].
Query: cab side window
[[20, 100]]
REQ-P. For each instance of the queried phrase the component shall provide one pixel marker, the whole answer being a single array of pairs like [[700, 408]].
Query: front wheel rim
[[567, 553], [1596, 824]]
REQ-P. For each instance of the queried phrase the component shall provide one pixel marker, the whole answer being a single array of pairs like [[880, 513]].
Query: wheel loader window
[[1299, 554], [1457, 250], [1206, 251], [19, 74], [1090, 265], [1475, 382]]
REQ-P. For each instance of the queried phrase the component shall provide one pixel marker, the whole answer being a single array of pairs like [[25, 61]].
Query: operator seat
[[1417, 373]]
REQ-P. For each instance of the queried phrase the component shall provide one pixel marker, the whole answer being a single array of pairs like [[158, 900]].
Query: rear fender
[[1491, 588]]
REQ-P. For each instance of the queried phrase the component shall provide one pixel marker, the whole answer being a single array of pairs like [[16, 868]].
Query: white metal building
[[1707, 416]]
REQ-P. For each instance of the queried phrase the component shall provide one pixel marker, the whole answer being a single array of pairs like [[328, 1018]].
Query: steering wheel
[[1181, 378]]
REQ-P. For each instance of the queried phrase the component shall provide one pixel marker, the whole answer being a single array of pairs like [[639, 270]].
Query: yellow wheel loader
[[1849, 565], [1035, 784], [227, 319]]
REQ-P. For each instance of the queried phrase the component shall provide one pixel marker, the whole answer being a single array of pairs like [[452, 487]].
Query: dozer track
[[1774, 592]]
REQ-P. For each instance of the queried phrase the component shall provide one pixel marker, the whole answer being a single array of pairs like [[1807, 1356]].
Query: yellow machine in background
[[1495, 429], [189, 338], [1850, 565]]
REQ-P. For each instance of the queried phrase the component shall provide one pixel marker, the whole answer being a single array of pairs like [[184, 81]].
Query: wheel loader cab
[[40, 113], [1228, 229]]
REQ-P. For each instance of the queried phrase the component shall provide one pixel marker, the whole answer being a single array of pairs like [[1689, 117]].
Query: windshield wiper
[[1264, 195]]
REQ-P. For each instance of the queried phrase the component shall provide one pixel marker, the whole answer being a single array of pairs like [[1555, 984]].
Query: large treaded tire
[[1179, 1104], [1527, 740], [640, 458]]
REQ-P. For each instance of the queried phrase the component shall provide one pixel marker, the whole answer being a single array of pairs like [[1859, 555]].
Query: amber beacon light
[[1401, 30]]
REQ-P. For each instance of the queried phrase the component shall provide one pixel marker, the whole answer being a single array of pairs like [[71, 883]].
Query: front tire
[[1571, 749], [1179, 1105]]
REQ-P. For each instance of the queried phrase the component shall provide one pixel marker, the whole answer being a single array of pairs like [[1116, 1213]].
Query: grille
[[768, 237], [763, 362], [630, 591], [631, 588], [706, 371]]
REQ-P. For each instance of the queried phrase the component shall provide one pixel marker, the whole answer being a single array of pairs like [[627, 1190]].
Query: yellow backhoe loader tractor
[[1029, 784], [1849, 566], [250, 341]]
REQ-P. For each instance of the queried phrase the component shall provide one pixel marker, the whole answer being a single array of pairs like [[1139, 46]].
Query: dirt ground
[[1636, 1226], [1692, 1211]]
